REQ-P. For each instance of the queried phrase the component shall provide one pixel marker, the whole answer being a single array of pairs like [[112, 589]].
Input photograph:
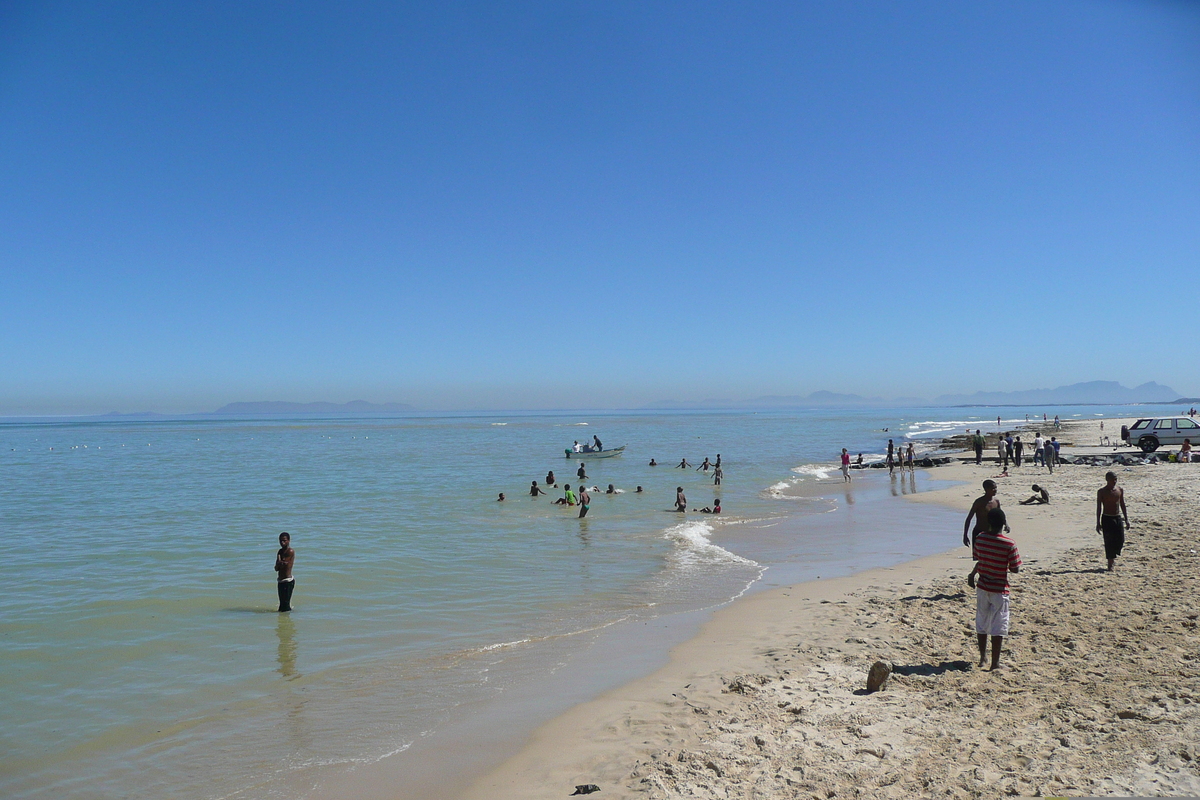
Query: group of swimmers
[[717, 475]]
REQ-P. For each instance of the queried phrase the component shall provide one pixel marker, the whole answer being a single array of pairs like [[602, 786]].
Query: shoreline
[[623, 653], [704, 724]]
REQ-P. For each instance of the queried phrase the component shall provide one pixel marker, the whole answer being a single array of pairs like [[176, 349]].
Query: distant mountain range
[[1100, 392], [1089, 393], [280, 407]]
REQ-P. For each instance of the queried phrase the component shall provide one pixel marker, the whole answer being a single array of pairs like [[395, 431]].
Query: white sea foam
[[694, 548], [818, 471], [499, 423]]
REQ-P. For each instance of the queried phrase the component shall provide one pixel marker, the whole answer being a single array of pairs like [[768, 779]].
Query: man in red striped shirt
[[997, 556]]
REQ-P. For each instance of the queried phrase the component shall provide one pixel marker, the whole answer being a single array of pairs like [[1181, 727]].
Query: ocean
[[141, 655]]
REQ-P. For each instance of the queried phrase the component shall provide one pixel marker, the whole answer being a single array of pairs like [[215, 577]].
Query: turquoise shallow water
[[141, 656]]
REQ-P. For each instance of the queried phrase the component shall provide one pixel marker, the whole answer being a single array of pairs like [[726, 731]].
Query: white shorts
[[846, 470], [991, 613]]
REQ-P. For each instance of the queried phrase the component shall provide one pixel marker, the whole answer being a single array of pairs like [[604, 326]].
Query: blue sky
[[592, 205]]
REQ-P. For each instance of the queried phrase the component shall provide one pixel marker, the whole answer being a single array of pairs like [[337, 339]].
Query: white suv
[[1152, 432]]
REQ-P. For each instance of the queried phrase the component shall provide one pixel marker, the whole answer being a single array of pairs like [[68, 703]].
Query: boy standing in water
[[284, 560]]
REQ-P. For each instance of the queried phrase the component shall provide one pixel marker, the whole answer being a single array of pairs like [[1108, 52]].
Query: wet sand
[[1099, 691]]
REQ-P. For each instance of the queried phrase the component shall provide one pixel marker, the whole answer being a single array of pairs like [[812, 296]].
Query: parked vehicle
[[1151, 433]]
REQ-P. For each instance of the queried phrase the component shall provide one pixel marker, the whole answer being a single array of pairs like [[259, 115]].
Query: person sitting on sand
[[568, 498], [995, 555], [716, 507], [1185, 452], [979, 510], [535, 490], [683, 464], [1040, 497], [680, 499]]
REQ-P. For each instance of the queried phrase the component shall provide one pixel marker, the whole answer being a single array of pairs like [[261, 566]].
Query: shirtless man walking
[[979, 510], [1110, 508], [284, 560]]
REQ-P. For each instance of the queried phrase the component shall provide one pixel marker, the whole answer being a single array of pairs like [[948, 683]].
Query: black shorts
[[1114, 535]]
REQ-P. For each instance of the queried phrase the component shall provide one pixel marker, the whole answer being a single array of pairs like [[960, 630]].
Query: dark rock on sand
[[877, 678]]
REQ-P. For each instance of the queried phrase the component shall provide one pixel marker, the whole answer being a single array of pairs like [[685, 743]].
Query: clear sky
[[503, 205]]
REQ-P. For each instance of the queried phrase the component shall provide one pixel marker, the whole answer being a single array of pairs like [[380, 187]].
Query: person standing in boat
[[577, 447], [596, 442]]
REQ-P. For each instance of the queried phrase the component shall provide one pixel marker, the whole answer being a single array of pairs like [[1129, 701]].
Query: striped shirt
[[996, 554]]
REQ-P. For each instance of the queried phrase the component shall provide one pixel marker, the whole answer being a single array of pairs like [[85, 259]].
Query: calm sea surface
[[140, 653]]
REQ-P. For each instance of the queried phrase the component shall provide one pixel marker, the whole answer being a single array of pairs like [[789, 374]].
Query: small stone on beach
[[877, 678]]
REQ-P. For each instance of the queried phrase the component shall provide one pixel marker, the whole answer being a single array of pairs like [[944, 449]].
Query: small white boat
[[616, 451]]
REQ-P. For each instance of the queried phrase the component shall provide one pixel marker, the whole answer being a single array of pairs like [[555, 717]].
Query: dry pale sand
[[1099, 694]]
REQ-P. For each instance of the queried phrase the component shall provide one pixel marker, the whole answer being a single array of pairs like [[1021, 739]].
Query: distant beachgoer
[[859, 460], [638, 490], [585, 502], [979, 510], [717, 463], [1044, 418], [996, 555], [653, 463], [910, 457], [285, 584], [704, 466], [977, 441], [535, 490], [1040, 497], [680, 499], [683, 464], [596, 441], [997, 420], [550, 479], [1110, 507], [718, 474], [500, 499], [1057, 424], [1185, 452], [891, 457], [1018, 449], [610, 490], [1002, 452], [1039, 449], [845, 465], [568, 498], [716, 507], [581, 473]]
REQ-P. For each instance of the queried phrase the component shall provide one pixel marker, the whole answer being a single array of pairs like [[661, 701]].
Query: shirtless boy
[[284, 559], [1110, 508], [979, 510]]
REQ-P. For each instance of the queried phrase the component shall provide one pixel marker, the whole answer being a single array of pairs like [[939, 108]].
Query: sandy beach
[[1098, 692]]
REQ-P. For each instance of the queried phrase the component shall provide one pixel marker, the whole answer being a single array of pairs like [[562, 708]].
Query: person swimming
[[716, 507], [550, 481], [535, 490], [500, 499], [610, 490], [638, 490], [653, 463]]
